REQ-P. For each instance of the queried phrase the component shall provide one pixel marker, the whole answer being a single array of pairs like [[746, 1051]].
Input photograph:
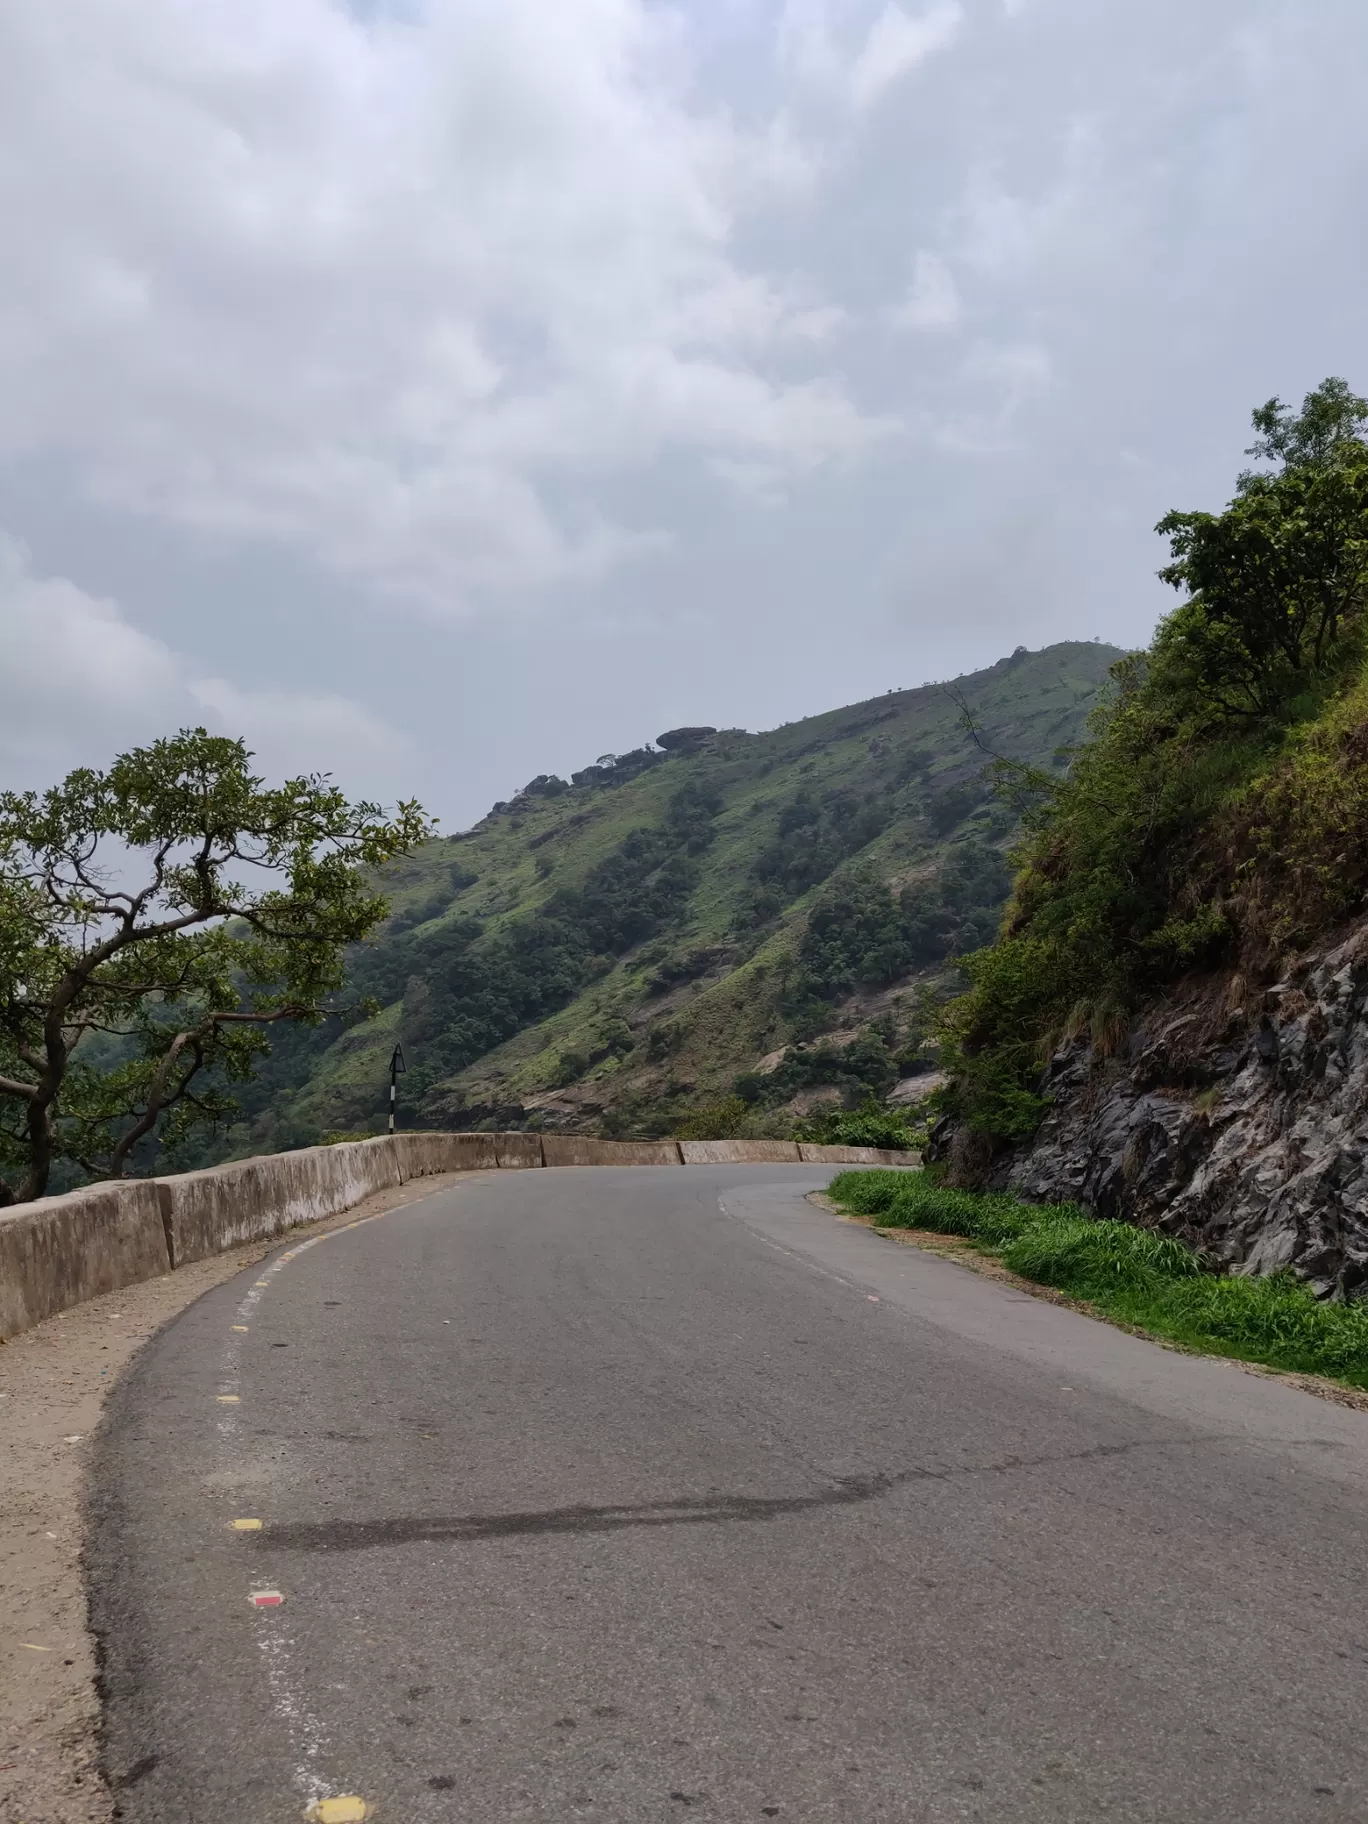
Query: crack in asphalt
[[689, 1510]]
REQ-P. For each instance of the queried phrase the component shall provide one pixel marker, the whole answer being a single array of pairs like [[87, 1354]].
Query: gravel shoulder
[[54, 1381]]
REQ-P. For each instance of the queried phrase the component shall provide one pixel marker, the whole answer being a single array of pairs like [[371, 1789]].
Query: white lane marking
[[305, 1733], [308, 1743]]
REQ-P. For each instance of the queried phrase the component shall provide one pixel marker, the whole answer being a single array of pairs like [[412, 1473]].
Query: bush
[[868, 1125], [717, 1121]]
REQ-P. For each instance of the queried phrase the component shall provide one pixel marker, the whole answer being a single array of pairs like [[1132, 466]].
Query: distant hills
[[716, 912]]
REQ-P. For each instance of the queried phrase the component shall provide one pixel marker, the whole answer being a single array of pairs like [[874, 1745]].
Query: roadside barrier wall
[[567, 1149], [252, 1199], [60, 1251], [739, 1152], [422, 1155], [855, 1155], [518, 1150], [64, 1250]]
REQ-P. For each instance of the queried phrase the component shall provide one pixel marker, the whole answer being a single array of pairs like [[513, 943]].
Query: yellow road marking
[[346, 1810], [228, 1399], [245, 1526], [241, 1327], [263, 1282], [33, 1647]]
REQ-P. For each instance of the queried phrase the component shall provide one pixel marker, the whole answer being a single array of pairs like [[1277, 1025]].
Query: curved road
[[634, 1496]]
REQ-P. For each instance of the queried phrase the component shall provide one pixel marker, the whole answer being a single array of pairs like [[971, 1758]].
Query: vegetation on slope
[[1216, 814], [723, 917], [1137, 1277]]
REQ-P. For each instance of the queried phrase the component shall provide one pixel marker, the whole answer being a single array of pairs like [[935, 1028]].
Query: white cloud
[[80, 682], [820, 51], [1000, 382], [387, 290], [897, 44], [933, 303]]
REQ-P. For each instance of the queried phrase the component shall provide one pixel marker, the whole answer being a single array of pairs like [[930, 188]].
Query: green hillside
[[719, 911], [1215, 820]]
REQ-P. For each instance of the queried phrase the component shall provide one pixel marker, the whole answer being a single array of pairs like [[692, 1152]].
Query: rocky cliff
[[1233, 1115]]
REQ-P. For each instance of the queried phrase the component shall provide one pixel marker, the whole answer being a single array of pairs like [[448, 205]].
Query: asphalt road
[[633, 1496]]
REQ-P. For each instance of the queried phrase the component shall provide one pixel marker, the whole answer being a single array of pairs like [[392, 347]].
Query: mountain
[[716, 912]]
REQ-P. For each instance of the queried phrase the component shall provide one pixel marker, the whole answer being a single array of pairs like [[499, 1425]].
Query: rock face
[[1234, 1117]]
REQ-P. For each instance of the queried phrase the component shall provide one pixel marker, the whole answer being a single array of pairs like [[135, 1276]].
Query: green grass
[[1149, 1281]]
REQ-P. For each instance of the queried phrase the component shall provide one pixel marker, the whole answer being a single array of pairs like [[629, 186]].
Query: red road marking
[[266, 1599]]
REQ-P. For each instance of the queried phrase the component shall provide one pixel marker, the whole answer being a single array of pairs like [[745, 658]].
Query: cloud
[[999, 382], [398, 292], [570, 329], [897, 44], [80, 682], [933, 303], [819, 51]]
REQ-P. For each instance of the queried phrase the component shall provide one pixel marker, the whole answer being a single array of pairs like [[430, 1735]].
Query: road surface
[[635, 1496]]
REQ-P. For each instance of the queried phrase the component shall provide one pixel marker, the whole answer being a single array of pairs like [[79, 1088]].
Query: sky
[[442, 392]]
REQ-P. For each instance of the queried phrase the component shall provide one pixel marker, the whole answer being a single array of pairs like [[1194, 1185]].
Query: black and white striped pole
[[397, 1065]]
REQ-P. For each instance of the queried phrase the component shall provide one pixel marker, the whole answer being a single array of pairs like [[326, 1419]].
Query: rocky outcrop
[[1236, 1117]]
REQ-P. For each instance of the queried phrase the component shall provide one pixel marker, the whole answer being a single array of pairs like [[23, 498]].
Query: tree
[[1279, 579], [1167, 847], [156, 920]]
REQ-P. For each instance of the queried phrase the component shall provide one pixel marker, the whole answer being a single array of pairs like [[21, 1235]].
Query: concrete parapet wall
[[252, 1199], [739, 1152], [855, 1155], [568, 1149], [420, 1155], [63, 1250], [516, 1150]]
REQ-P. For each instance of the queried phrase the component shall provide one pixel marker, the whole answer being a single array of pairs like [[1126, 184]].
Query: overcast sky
[[445, 391]]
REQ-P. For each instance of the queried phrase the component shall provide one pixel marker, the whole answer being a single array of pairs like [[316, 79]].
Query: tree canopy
[[156, 920], [1215, 814], [1279, 580]]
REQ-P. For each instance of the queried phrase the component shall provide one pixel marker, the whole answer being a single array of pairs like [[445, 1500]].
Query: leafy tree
[[156, 920], [1161, 849], [1278, 580]]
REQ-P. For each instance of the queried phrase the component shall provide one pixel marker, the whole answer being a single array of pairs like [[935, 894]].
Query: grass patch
[[1137, 1276]]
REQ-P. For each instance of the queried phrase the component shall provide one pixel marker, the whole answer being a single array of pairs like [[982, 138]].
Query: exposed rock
[[1234, 1118], [908, 1091]]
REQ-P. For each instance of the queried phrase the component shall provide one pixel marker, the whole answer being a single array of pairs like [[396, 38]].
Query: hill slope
[[1188, 942], [615, 950]]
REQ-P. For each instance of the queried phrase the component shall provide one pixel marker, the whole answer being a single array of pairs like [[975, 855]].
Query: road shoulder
[[965, 1254], [54, 1381]]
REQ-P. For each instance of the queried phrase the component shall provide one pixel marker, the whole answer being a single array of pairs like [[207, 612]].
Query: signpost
[[397, 1066]]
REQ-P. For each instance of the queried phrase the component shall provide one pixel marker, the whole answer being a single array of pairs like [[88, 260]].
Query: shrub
[[868, 1125], [716, 1121]]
